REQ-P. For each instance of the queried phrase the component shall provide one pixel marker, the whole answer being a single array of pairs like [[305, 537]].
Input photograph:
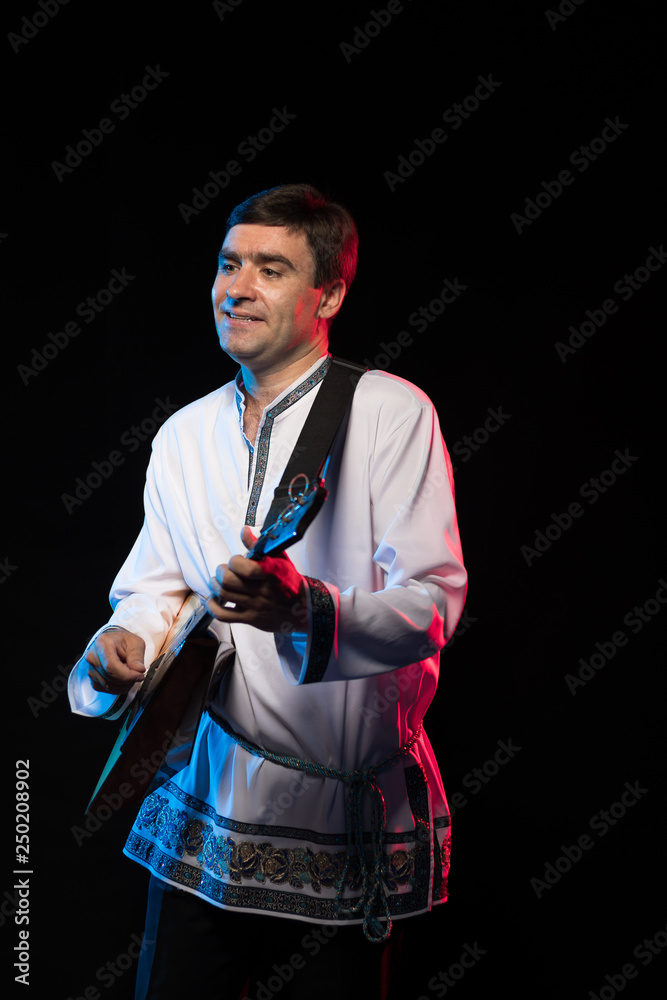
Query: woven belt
[[373, 897]]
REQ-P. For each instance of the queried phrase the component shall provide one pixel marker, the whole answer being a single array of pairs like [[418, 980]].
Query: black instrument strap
[[326, 415]]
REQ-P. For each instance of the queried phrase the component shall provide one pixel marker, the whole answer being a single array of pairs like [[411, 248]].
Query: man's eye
[[226, 268], [270, 272]]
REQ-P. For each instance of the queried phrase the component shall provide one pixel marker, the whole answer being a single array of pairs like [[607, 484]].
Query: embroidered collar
[[290, 396]]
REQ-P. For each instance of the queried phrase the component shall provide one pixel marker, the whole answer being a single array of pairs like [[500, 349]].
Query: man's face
[[267, 311]]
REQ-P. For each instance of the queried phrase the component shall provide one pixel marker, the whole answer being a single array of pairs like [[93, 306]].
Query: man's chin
[[238, 346]]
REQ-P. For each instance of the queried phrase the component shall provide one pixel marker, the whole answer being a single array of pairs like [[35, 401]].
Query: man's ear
[[331, 299]]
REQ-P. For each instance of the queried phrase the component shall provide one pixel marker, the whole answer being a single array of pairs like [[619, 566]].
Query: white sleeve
[[357, 632], [146, 597]]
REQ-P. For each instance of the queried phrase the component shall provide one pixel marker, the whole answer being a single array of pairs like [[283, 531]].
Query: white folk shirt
[[243, 832]]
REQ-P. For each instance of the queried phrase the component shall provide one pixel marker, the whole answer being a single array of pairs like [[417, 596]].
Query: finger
[[118, 656], [236, 613], [222, 597], [129, 652], [224, 611], [248, 537], [229, 577], [241, 577], [222, 588], [104, 672], [246, 569], [102, 681], [134, 653], [247, 598], [91, 657], [233, 599]]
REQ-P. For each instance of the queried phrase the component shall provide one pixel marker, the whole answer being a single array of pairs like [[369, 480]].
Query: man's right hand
[[116, 661]]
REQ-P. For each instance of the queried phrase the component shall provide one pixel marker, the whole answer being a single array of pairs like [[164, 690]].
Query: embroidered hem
[[285, 871]]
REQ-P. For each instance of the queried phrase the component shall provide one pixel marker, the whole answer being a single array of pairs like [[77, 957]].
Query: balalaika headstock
[[305, 500]]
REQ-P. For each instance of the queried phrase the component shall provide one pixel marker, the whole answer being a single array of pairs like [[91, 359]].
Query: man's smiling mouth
[[241, 316]]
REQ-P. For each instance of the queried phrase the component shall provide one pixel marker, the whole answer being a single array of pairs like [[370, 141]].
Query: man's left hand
[[269, 594]]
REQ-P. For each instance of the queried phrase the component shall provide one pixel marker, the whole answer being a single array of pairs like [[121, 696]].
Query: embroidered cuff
[[85, 700], [323, 630]]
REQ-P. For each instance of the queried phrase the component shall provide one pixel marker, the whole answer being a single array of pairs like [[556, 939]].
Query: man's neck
[[261, 388]]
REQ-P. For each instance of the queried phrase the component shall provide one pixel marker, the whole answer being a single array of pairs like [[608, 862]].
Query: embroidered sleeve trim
[[116, 708], [323, 630]]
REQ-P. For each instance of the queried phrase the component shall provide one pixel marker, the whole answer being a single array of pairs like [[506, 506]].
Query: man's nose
[[242, 286]]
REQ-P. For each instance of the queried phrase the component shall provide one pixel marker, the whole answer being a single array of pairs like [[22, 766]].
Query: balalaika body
[[164, 716]]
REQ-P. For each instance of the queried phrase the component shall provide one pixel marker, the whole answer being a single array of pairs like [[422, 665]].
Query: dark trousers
[[192, 948]]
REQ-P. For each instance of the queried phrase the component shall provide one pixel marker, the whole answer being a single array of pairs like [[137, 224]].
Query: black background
[[530, 619]]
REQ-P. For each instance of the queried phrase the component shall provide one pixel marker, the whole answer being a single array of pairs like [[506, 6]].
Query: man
[[336, 644]]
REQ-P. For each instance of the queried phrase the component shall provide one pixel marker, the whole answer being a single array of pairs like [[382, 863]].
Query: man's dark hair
[[329, 228]]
